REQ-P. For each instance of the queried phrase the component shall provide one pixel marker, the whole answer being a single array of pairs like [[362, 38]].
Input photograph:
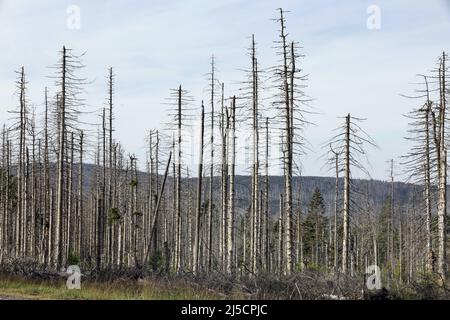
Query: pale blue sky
[[156, 45]]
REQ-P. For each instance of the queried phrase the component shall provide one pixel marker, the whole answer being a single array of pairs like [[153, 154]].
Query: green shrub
[[73, 258], [156, 261], [133, 183], [113, 216]]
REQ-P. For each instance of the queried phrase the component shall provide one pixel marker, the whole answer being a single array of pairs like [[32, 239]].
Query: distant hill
[[378, 190]]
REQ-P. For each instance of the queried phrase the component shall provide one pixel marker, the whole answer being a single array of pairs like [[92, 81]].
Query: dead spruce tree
[[255, 168], [231, 215], [180, 101], [428, 125], [19, 130], [196, 248], [349, 144], [333, 164], [224, 181], [109, 208], [421, 159], [212, 90], [70, 87], [440, 139], [291, 103], [250, 96], [267, 260]]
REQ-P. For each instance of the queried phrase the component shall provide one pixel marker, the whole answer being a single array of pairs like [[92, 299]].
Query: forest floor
[[304, 286], [15, 287]]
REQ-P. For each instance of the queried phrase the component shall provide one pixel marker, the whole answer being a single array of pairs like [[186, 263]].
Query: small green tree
[[156, 261], [113, 216], [72, 258], [313, 227]]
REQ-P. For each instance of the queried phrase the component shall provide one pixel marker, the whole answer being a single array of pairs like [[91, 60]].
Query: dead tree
[[224, 127], [158, 204], [292, 104], [266, 201], [420, 160], [212, 91], [67, 113], [349, 143], [196, 248], [20, 128], [429, 151], [335, 157], [231, 202], [179, 102], [441, 148]]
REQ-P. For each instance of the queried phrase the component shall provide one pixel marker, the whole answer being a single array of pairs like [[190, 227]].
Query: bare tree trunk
[[442, 206], [266, 199], [199, 195], [4, 199], [211, 173], [255, 166], [69, 223], [81, 243], [99, 210], [26, 221], [280, 237], [427, 182], [178, 227], [51, 226], [158, 204], [231, 204], [224, 126], [400, 250], [20, 179], [60, 180], [287, 158], [391, 224], [34, 197], [110, 165], [346, 220], [48, 246], [336, 199]]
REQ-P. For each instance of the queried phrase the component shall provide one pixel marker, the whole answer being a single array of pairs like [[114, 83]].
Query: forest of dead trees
[[159, 215]]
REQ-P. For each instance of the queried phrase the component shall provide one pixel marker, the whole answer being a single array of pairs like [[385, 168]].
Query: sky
[[157, 45]]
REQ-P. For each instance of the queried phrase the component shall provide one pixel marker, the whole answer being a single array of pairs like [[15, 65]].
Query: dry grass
[[306, 285], [125, 289]]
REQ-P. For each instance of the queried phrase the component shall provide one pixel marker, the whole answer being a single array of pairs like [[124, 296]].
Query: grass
[[151, 289]]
